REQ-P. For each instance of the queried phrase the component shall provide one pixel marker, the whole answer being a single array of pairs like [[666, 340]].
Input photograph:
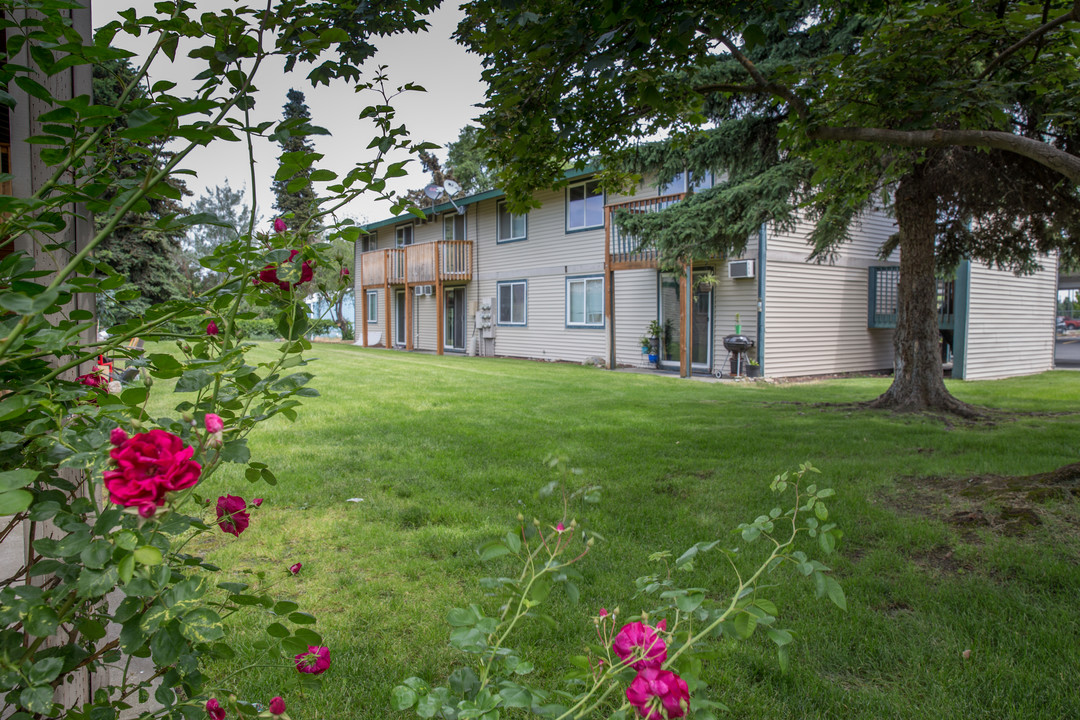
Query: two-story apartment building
[[562, 283]]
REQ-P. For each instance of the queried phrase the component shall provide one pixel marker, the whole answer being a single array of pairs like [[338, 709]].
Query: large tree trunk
[[917, 375]]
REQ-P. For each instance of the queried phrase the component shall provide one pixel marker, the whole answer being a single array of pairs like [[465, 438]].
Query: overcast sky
[[450, 75]]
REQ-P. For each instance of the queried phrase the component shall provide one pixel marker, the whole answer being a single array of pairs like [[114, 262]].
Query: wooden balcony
[[629, 252], [420, 264]]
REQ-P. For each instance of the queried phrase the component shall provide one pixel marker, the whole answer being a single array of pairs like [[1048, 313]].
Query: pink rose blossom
[[150, 465], [214, 710], [232, 515], [603, 612], [560, 528], [269, 273], [213, 422], [211, 328], [640, 642], [662, 625], [118, 436], [314, 661], [257, 502], [659, 694], [92, 379], [279, 225], [277, 706], [344, 272], [295, 569]]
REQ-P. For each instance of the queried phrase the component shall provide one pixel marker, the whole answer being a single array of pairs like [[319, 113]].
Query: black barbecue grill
[[737, 347]]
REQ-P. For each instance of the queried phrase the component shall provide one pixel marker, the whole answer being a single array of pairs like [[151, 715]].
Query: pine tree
[[146, 256], [295, 198]]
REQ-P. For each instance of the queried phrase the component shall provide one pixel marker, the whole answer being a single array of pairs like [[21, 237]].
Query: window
[[453, 226], [585, 302], [369, 243], [677, 185], [698, 181], [511, 227], [372, 306], [403, 236], [584, 205], [512, 303]]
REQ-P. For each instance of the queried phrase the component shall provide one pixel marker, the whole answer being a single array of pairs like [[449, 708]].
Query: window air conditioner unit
[[419, 290], [740, 269], [428, 289]]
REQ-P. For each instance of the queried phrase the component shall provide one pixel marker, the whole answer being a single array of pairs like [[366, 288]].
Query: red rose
[[150, 465], [232, 514], [277, 706], [269, 273]]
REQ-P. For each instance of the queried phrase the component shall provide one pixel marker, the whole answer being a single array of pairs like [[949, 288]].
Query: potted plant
[[652, 337], [752, 368]]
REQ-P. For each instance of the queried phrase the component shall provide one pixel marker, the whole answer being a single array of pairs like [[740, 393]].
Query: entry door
[[670, 301], [399, 312], [455, 321]]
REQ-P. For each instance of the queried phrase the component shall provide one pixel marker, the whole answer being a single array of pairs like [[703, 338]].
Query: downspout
[[762, 242]]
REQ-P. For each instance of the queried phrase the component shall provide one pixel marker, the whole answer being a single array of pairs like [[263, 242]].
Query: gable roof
[[589, 169]]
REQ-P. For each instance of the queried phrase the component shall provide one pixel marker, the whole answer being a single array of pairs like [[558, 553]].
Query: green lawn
[[445, 451]]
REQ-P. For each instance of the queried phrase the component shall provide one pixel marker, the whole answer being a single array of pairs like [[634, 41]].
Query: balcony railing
[[629, 251], [444, 260], [884, 300]]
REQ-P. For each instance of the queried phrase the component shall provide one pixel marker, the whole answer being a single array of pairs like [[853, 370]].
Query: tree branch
[[1043, 153], [1034, 35], [794, 100], [732, 88]]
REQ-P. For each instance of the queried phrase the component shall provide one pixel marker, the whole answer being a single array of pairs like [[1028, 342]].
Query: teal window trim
[[500, 211], [566, 206], [960, 324], [372, 306], [508, 285], [584, 281]]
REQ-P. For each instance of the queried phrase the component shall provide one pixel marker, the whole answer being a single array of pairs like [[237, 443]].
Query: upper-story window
[[511, 227], [584, 205], [369, 242], [453, 226], [403, 236], [698, 181]]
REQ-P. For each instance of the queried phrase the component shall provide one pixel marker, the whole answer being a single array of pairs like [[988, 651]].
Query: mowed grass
[[445, 451]]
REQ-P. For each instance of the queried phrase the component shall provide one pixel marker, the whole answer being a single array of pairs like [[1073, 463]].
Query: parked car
[[1072, 324], [1060, 327]]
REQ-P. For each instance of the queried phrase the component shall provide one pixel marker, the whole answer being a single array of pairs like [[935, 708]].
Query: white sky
[[449, 74]]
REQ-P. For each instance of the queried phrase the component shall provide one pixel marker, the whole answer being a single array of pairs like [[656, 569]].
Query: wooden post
[[364, 312], [689, 328], [609, 291], [440, 301], [683, 289]]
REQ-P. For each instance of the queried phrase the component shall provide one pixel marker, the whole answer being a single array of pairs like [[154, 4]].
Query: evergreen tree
[[147, 256], [466, 164], [295, 198], [228, 206]]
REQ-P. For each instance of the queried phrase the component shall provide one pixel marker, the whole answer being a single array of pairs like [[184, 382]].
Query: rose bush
[[642, 668], [109, 497]]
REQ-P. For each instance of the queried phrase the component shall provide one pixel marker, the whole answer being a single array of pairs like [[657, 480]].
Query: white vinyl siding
[[510, 227], [816, 314], [584, 205], [511, 303], [1010, 328], [585, 302]]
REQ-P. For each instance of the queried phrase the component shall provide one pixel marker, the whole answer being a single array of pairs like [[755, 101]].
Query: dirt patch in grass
[[1005, 504]]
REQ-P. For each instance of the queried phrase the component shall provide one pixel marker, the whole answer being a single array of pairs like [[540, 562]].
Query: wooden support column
[[609, 314], [683, 289], [609, 291], [688, 331], [440, 302], [387, 340], [364, 313], [408, 299]]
